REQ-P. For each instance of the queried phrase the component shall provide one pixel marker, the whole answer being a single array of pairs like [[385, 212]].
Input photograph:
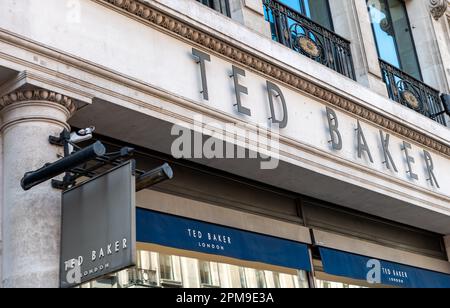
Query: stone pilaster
[[31, 219], [430, 42], [251, 14], [351, 20]]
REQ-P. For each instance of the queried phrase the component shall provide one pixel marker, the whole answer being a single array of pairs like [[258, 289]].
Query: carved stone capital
[[438, 8], [37, 95]]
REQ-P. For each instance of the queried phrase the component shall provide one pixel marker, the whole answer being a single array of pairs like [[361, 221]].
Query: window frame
[[161, 266], [385, 2], [211, 5]]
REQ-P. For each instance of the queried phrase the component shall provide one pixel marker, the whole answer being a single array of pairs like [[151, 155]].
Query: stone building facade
[[361, 142]]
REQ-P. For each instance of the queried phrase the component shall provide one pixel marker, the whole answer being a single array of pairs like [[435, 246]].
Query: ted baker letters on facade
[[277, 102]]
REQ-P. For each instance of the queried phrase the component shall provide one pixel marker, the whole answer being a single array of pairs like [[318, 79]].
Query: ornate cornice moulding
[[37, 95], [234, 53]]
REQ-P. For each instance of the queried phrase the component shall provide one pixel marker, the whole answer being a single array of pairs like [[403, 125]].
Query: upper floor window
[[393, 35], [222, 6], [306, 27], [317, 10]]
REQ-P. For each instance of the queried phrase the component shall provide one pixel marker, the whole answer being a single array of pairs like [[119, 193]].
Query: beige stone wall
[[162, 82], [427, 32], [250, 13], [351, 20], [123, 66]]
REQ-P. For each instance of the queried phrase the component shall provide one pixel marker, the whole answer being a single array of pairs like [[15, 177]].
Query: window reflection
[[155, 270], [393, 35], [317, 10], [205, 273], [165, 265], [260, 280]]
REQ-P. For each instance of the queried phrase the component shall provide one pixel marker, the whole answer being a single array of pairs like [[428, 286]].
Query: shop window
[[322, 284], [139, 277], [164, 271], [260, 280], [393, 35], [166, 267], [276, 280], [243, 280], [222, 6], [205, 273]]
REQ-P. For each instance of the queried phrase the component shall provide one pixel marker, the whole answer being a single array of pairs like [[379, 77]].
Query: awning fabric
[[187, 234], [358, 267]]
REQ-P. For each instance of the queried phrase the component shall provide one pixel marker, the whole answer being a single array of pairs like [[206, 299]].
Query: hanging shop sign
[[98, 232]]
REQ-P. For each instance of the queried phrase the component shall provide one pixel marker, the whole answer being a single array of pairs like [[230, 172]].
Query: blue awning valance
[[187, 234], [372, 270]]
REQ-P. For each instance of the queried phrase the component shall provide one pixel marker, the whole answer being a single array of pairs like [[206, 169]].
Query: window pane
[[404, 38], [384, 35], [293, 4], [165, 263], [322, 284], [176, 271], [260, 279], [205, 272], [319, 11], [393, 35]]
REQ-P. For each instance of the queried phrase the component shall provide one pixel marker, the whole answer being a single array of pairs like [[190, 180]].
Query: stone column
[[251, 14], [31, 219]]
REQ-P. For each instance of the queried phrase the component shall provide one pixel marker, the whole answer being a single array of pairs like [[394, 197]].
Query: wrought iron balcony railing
[[413, 93], [307, 37]]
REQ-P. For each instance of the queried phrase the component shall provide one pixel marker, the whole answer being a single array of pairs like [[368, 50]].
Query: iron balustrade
[[412, 93], [307, 37]]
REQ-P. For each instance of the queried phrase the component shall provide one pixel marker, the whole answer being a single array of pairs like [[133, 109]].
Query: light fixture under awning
[[192, 235], [344, 264]]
